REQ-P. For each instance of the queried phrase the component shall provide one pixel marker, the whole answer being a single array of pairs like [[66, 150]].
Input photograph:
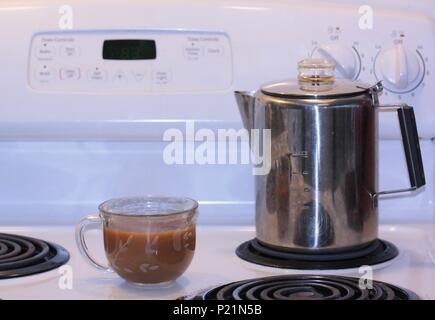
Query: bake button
[[69, 74], [192, 52], [97, 75], [120, 77], [45, 51], [44, 73], [214, 51], [70, 51], [162, 76]]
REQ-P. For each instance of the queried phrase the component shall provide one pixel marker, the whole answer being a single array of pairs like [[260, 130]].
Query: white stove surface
[[214, 263]]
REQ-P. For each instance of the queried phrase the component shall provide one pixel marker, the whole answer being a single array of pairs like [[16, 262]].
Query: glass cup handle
[[85, 224]]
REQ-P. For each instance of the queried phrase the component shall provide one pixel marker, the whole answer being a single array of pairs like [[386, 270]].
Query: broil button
[[44, 73]]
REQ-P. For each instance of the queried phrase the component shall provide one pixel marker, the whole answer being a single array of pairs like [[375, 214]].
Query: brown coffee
[[149, 257]]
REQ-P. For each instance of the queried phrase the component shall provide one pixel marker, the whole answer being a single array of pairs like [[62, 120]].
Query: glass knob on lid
[[315, 80], [315, 74]]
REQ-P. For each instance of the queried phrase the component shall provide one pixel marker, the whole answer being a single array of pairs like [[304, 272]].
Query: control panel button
[[69, 74], [119, 77], [70, 51], [192, 52], [97, 74], [139, 76], [44, 73], [214, 51], [45, 51], [162, 76]]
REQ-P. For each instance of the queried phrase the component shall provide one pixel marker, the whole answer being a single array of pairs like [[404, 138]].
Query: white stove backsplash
[[58, 182]]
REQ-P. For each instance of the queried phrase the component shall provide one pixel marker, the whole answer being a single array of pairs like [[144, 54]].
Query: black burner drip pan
[[22, 256], [376, 252], [303, 287]]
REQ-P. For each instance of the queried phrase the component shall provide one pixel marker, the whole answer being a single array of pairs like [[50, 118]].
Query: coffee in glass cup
[[147, 240]]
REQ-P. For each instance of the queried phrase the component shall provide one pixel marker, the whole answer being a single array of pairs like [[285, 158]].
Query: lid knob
[[316, 74]]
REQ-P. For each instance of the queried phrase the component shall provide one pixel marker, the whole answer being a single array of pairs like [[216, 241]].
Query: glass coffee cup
[[148, 240]]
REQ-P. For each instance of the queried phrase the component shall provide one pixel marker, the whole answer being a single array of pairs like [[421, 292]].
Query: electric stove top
[[22, 256], [304, 287], [215, 264], [374, 253]]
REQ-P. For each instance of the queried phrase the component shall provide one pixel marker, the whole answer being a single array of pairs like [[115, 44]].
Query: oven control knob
[[347, 62], [399, 68]]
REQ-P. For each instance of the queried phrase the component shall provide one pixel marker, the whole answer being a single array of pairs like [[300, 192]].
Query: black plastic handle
[[411, 144]]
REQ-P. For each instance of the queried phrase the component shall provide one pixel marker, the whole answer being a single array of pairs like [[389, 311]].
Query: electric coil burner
[[304, 287], [22, 256], [376, 252]]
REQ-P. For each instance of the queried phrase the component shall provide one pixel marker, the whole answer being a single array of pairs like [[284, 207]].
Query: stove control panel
[[130, 61]]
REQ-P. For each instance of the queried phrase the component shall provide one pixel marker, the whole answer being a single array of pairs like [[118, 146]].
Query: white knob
[[346, 60], [399, 67]]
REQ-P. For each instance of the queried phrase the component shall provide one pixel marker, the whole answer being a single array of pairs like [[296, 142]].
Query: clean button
[[97, 75]]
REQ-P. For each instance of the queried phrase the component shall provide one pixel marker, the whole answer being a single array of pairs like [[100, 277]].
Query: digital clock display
[[129, 49]]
